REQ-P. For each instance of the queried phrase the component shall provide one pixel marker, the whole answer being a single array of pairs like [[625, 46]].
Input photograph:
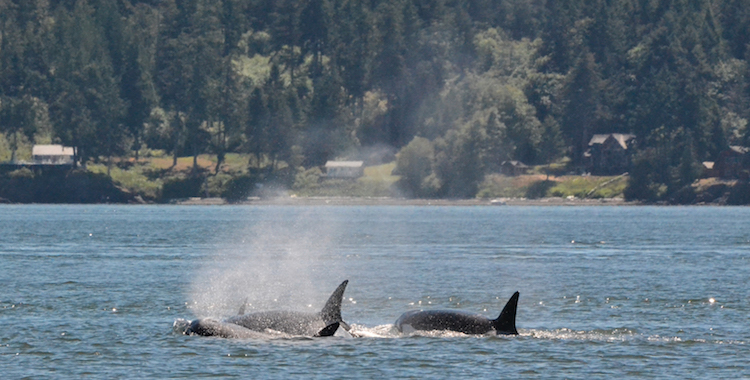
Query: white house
[[52, 154], [345, 169]]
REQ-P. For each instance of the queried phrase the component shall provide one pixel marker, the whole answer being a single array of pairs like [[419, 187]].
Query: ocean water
[[628, 292]]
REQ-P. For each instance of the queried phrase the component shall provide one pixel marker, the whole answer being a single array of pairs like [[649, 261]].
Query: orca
[[214, 327], [459, 321], [323, 323]]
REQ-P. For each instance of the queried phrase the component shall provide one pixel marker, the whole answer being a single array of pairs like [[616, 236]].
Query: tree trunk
[[219, 161], [176, 140], [195, 161], [14, 147]]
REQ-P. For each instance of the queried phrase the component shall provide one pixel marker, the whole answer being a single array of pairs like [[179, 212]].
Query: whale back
[[323, 323]]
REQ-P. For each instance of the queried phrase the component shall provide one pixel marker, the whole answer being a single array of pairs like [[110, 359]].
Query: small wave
[[180, 326], [690, 341], [382, 331], [390, 331], [445, 334], [613, 335]]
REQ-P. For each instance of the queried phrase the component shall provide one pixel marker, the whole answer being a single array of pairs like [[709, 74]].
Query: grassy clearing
[[133, 179], [539, 186], [149, 175], [589, 187], [376, 182], [381, 173], [155, 177]]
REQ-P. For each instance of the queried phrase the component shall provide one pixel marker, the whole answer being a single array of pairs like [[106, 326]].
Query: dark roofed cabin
[[513, 168], [733, 163], [609, 154]]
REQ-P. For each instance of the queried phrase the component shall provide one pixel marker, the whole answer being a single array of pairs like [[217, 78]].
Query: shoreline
[[386, 201]]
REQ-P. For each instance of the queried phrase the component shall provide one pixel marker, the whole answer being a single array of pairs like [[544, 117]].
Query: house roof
[[516, 164], [344, 164], [739, 149], [621, 138], [51, 150]]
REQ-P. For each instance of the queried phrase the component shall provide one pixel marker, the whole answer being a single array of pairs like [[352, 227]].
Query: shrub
[[739, 194], [307, 181], [175, 187], [21, 173], [238, 188], [216, 185]]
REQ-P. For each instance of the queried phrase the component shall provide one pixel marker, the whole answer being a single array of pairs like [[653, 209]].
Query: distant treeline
[[455, 86]]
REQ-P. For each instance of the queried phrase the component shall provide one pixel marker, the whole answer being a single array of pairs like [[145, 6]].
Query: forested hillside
[[455, 86]]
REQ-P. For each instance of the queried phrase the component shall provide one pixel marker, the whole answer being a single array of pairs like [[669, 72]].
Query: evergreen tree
[[582, 111], [285, 32], [414, 164], [174, 67], [137, 82], [86, 106], [280, 119], [257, 127], [352, 48], [314, 32]]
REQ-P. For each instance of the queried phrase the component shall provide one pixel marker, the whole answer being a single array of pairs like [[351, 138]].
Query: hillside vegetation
[[448, 88]]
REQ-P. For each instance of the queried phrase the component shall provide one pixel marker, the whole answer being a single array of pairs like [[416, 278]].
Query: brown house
[[733, 163], [609, 154], [513, 168]]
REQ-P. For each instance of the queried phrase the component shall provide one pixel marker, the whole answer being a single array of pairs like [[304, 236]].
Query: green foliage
[[296, 83], [589, 187], [414, 164], [307, 181], [739, 194], [500, 186], [238, 188], [377, 182], [134, 180], [363, 187], [539, 189], [60, 185], [178, 188], [21, 173], [216, 185]]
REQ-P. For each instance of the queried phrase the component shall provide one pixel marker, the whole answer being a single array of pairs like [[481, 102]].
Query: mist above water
[[272, 264]]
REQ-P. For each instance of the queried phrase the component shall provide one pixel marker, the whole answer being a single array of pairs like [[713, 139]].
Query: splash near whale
[[459, 321], [255, 325]]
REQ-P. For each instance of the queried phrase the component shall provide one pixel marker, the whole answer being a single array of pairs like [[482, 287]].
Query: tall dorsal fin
[[242, 308], [506, 322], [331, 312]]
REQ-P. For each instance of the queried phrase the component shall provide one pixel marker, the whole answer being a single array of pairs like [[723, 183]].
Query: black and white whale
[[459, 321], [258, 324]]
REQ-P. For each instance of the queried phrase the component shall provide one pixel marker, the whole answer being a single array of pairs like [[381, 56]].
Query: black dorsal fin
[[331, 312], [505, 324], [328, 330]]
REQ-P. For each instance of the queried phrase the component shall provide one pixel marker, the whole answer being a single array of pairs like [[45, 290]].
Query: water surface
[[647, 292]]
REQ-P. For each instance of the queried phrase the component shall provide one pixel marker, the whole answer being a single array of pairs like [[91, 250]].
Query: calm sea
[[634, 292]]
